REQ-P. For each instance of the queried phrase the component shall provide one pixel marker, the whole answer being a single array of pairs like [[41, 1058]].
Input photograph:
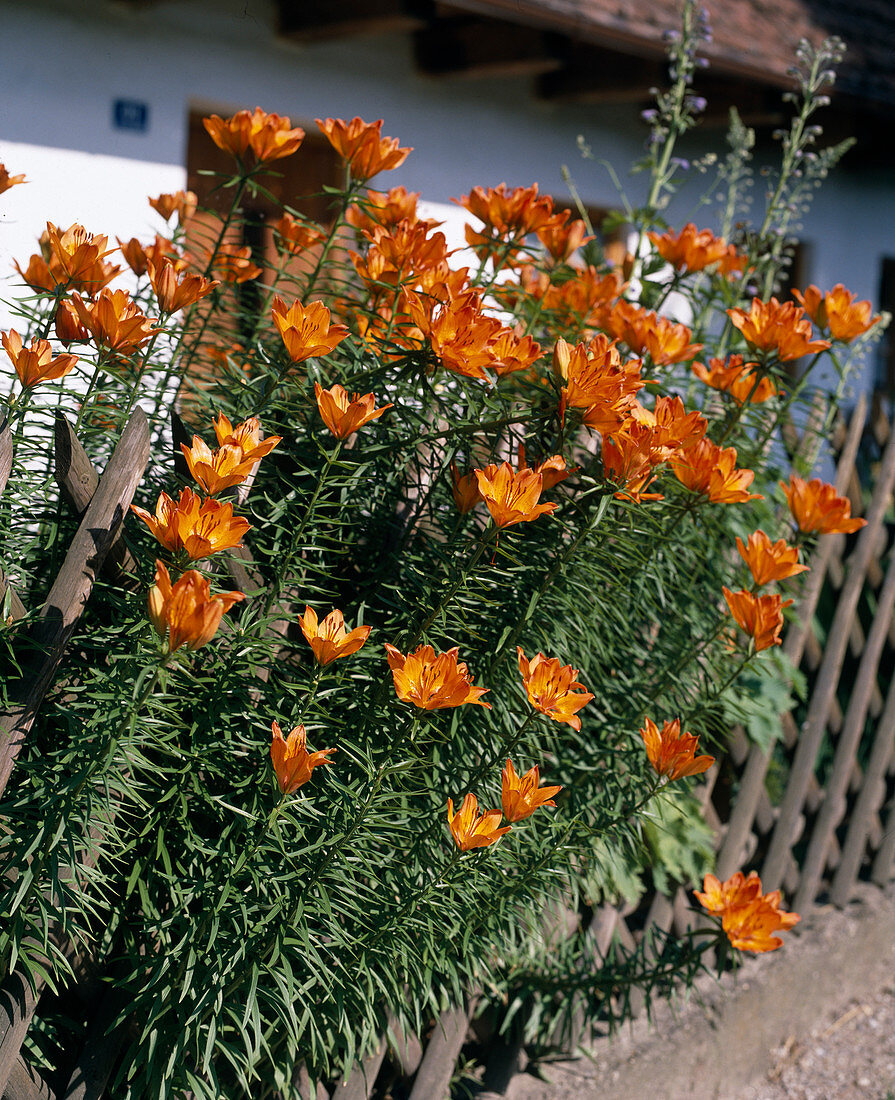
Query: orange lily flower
[[115, 321], [7, 181], [553, 470], [342, 416], [329, 640], [509, 212], [198, 527], [748, 917], [583, 300], [459, 333], [173, 295], [465, 490], [385, 208], [306, 330], [582, 367], [233, 263], [646, 333], [597, 381], [73, 259], [292, 763], [219, 469], [246, 436], [738, 890], [35, 364], [508, 216], [135, 255], [816, 506], [520, 796], [269, 137], [751, 927], [362, 146], [39, 276], [551, 688], [837, 312], [292, 236], [67, 324], [433, 681], [737, 379], [563, 237], [403, 253], [706, 468], [696, 249], [471, 830], [671, 752], [769, 561], [510, 351], [187, 611], [671, 426], [239, 450], [181, 203], [512, 496], [139, 256], [760, 616], [782, 329], [629, 459], [78, 258]]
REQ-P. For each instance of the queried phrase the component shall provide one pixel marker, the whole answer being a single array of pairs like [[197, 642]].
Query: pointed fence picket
[[833, 824]]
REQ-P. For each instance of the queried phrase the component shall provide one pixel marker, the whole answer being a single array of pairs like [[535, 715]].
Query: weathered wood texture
[[437, 1066], [752, 796], [18, 999], [78, 481], [44, 644], [25, 1083], [828, 677], [16, 609]]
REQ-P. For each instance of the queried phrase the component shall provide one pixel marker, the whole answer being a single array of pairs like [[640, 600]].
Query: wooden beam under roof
[[472, 47], [603, 76], [312, 20], [758, 105]]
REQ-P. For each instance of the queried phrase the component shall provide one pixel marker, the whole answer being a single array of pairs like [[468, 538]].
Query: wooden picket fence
[[833, 825]]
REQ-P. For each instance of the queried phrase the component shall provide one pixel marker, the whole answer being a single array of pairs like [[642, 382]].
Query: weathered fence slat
[[507, 1059], [437, 1066], [101, 1046], [363, 1076], [881, 871], [16, 607], [752, 792], [25, 1083], [5, 454], [77, 479], [867, 805], [18, 999], [827, 679], [305, 1087], [834, 805], [74, 582]]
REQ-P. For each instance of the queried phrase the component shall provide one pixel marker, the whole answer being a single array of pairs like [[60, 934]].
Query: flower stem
[[549, 577]]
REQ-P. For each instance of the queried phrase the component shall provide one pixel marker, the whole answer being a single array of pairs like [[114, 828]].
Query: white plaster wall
[[224, 55], [107, 194]]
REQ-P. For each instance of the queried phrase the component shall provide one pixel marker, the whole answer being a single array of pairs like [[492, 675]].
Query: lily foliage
[[250, 924]]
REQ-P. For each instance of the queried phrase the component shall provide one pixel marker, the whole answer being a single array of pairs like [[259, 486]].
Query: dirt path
[[812, 1021], [851, 1058]]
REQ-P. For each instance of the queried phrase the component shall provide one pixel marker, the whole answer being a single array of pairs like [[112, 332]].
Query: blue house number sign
[[130, 114]]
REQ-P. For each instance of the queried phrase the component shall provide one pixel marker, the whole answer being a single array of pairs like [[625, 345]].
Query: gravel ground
[[813, 1021], [850, 1058]]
